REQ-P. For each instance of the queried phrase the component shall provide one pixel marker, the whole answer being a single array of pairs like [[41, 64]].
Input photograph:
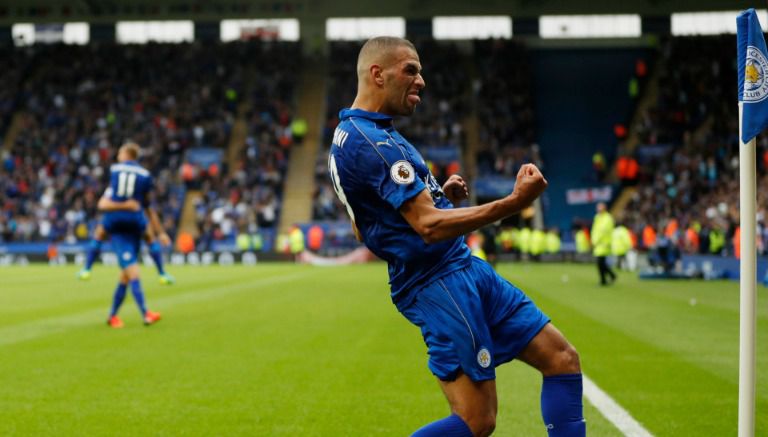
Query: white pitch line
[[40, 328], [612, 411]]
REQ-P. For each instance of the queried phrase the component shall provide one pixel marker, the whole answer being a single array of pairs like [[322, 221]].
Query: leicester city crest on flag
[[755, 83], [752, 59]]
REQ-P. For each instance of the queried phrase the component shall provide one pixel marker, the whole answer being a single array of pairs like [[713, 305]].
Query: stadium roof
[[111, 10]]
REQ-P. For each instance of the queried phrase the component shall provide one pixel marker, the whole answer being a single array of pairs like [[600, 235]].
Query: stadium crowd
[[504, 100], [247, 199], [687, 194], [79, 103]]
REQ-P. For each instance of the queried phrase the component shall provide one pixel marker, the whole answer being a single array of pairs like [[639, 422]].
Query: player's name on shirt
[[339, 137], [130, 169]]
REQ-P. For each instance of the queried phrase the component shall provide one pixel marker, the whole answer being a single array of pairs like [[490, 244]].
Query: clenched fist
[[455, 189], [530, 184]]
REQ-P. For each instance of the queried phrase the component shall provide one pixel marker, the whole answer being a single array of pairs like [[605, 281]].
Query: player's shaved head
[[131, 150], [388, 76], [379, 50]]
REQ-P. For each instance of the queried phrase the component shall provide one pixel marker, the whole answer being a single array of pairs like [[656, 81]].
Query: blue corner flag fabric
[[752, 58]]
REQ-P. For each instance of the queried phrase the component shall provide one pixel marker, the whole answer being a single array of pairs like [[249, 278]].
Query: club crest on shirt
[[484, 358], [755, 70], [126, 255], [402, 172]]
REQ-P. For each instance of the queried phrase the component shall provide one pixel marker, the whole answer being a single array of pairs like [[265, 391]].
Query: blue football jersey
[[128, 180], [374, 171]]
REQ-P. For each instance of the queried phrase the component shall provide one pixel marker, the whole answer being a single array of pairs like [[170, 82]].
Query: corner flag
[[753, 118], [752, 58]]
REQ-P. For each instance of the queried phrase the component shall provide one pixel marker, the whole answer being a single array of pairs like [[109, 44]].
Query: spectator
[[602, 233]]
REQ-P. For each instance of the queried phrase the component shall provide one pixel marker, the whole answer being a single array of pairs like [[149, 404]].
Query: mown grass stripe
[[31, 330]]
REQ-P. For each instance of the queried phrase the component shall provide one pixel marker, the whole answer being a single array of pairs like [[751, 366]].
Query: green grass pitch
[[280, 349]]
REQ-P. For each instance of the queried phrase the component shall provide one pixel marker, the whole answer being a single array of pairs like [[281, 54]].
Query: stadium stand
[[505, 107], [574, 122], [248, 198], [78, 103], [64, 109], [688, 185]]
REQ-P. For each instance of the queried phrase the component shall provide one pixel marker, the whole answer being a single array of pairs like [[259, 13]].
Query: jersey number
[[126, 182], [337, 185]]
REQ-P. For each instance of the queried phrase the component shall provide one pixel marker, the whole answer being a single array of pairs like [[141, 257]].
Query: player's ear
[[377, 74]]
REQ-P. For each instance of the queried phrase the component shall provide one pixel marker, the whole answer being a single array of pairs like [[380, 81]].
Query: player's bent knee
[[481, 425], [488, 426], [569, 361], [480, 417], [562, 361]]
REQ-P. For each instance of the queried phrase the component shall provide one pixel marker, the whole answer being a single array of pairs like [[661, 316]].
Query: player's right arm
[[434, 224], [157, 226]]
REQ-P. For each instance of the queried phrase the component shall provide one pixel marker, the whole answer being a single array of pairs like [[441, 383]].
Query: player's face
[[403, 82]]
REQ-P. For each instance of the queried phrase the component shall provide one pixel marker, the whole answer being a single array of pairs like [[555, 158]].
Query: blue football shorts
[[473, 320], [126, 230], [126, 246]]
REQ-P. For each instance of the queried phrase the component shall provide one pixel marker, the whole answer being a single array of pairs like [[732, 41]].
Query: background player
[[124, 220], [472, 320], [155, 246]]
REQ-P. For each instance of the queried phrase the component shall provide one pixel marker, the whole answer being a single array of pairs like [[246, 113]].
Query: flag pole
[[747, 284]]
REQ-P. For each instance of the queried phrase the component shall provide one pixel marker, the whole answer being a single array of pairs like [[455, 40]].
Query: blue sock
[[451, 426], [561, 406], [138, 296], [156, 252], [94, 250], [118, 298]]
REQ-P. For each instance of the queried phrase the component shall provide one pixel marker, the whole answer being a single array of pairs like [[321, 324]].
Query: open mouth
[[414, 99]]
